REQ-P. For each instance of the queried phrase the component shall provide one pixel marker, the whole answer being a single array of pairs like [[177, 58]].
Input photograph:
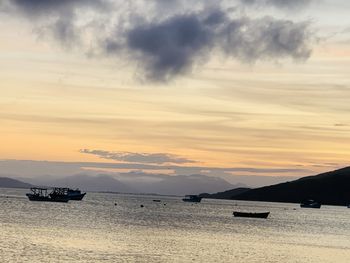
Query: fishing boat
[[252, 215], [48, 195], [192, 198], [310, 204], [75, 194]]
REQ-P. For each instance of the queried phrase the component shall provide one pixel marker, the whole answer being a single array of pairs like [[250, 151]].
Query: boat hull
[[32, 197], [251, 215], [76, 197], [310, 206], [191, 201]]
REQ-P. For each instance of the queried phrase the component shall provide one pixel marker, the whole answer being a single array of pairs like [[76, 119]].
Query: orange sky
[[55, 102]]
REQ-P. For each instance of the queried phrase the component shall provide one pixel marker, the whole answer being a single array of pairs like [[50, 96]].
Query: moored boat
[[192, 198], [310, 204], [44, 195], [252, 215]]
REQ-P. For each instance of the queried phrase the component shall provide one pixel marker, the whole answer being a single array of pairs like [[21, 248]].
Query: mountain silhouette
[[6, 182], [229, 194], [331, 188]]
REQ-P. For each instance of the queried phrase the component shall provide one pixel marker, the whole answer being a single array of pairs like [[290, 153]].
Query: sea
[[107, 227]]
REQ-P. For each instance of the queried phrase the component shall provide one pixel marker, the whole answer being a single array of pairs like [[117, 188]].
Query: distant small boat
[[75, 194], [310, 204], [156, 200], [43, 195], [252, 215], [192, 198]]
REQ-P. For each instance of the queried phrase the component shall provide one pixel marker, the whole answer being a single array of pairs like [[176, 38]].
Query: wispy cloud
[[32, 168], [277, 3], [141, 158]]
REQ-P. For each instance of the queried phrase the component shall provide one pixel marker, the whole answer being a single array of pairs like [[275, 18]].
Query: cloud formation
[[47, 7], [174, 46], [278, 3], [166, 39], [141, 158]]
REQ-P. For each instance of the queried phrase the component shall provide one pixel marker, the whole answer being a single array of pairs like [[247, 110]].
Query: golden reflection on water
[[95, 230]]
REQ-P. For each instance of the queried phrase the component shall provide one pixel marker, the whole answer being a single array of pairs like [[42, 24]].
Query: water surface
[[97, 230]]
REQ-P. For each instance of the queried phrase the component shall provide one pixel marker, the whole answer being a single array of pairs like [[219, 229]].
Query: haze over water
[[97, 230]]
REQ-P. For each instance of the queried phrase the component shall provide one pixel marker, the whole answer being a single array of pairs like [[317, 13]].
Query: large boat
[[249, 214], [75, 194], [310, 204], [192, 198], [48, 195]]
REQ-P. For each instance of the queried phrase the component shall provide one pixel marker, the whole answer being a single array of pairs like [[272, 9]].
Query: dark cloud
[[171, 47], [175, 45], [170, 41], [141, 158]]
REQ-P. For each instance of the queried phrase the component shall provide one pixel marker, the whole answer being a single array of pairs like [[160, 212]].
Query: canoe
[[252, 215]]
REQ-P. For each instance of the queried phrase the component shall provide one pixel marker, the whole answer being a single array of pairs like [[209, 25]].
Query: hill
[[101, 182], [230, 194], [6, 182], [330, 188], [139, 183]]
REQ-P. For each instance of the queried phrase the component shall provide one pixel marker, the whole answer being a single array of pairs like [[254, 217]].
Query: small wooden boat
[[310, 204], [192, 198], [252, 215]]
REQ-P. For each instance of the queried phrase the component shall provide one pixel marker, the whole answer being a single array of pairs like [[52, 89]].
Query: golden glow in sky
[[295, 115]]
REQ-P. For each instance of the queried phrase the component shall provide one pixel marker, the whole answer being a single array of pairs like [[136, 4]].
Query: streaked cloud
[[44, 167], [151, 158]]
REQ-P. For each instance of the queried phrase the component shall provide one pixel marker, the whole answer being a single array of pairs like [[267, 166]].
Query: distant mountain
[[140, 183], [229, 194], [6, 182], [92, 183], [189, 184], [330, 188]]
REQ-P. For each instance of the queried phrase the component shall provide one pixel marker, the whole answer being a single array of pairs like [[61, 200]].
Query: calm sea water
[[95, 230]]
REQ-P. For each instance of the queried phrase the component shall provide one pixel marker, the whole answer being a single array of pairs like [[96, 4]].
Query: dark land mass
[[229, 194], [6, 182], [331, 188]]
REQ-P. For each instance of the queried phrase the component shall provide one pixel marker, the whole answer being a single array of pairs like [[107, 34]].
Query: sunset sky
[[223, 88]]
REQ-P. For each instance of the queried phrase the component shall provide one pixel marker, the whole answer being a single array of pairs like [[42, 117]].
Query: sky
[[220, 88]]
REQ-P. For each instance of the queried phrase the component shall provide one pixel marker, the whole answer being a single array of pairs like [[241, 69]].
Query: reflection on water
[[96, 230]]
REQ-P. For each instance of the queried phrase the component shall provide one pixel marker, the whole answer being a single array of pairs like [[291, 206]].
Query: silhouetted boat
[[43, 195], [75, 194], [310, 204], [156, 200], [192, 198], [253, 215]]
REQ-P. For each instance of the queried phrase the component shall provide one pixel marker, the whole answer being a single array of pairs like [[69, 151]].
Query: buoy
[[141, 205], [115, 204]]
